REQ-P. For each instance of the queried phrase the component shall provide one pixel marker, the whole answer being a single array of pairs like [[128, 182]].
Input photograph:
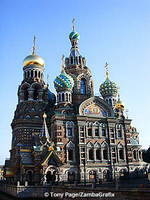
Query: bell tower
[[34, 99], [75, 66]]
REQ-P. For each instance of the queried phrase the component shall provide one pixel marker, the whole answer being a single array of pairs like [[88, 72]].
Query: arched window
[[121, 154], [35, 73], [70, 154], [69, 129], [98, 154], [31, 73], [91, 154], [110, 102], [83, 86], [134, 154], [120, 133], [59, 99], [105, 154], [35, 94], [39, 74], [103, 131], [63, 97], [66, 96], [69, 97]]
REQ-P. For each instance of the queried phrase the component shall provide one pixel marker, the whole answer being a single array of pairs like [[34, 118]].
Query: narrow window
[[71, 60], [31, 73], [119, 133], [66, 96], [91, 154], [103, 132], [39, 74], [35, 95], [69, 97], [70, 154], [63, 97], [89, 131], [98, 154], [121, 154], [83, 86], [35, 73], [96, 132], [69, 131], [59, 99], [110, 102], [105, 154], [134, 155]]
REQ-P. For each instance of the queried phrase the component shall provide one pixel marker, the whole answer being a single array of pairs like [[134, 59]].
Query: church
[[73, 135]]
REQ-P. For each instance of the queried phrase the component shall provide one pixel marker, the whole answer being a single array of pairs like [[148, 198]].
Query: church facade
[[73, 135]]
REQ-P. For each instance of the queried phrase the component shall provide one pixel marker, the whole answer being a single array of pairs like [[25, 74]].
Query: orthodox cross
[[63, 62], [73, 24], [33, 48], [107, 72]]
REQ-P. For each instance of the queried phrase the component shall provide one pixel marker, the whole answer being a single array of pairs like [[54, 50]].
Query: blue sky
[[111, 30]]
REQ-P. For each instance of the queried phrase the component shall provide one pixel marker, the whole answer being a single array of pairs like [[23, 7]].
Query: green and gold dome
[[63, 82], [108, 88]]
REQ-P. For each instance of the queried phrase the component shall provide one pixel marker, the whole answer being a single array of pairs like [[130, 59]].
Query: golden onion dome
[[33, 59], [119, 105]]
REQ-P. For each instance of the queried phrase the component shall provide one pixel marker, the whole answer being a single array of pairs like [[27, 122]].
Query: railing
[[39, 191]]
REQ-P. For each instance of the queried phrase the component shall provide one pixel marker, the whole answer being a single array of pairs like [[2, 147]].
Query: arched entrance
[[29, 177], [106, 175], [122, 174], [92, 176], [51, 175], [71, 177]]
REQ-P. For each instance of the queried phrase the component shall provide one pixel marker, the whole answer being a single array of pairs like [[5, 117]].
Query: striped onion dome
[[108, 88], [63, 82], [74, 35]]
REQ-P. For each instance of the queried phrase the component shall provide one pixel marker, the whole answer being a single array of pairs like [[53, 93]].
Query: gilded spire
[[33, 48], [73, 24], [107, 72]]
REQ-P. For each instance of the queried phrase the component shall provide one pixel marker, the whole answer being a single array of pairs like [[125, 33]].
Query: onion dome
[[74, 35], [51, 97], [63, 82], [108, 88], [33, 59], [119, 105]]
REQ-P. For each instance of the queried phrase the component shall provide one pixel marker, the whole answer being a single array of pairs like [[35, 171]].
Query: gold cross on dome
[[107, 72], [33, 48]]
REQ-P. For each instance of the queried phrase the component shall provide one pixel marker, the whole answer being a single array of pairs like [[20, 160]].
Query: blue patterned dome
[[74, 35], [51, 97], [63, 82], [108, 88]]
